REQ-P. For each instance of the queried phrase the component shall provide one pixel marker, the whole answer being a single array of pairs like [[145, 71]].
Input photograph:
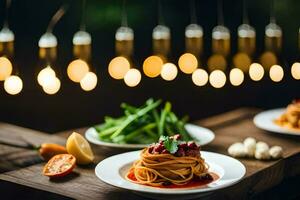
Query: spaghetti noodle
[[157, 167], [291, 118]]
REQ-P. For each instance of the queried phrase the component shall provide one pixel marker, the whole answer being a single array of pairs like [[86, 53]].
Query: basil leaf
[[171, 145]]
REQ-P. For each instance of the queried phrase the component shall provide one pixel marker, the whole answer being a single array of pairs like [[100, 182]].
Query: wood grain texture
[[230, 127]]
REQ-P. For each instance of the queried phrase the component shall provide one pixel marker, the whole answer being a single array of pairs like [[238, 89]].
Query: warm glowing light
[[152, 66], [276, 73], [13, 85], [133, 77], [200, 77], [256, 71], [295, 70], [52, 86], [216, 61], [268, 59], [217, 79], [188, 63], [89, 81], [169, 71], [5, 68], [77, 69], [118, 67], [236, 77], [45, 74], [242, 61]]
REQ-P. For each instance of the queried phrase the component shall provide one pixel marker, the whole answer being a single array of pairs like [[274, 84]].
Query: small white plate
[[202, 135], [112, 171], [265, 121]]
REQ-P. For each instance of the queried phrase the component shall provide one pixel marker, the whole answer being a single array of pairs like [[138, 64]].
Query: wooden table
[[83, 184]]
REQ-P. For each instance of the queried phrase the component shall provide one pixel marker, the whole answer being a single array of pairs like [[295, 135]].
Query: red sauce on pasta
[[195, 183]]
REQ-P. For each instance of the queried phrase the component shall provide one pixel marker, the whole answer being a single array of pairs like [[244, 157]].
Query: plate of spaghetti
[[171, 167], [281, 120]]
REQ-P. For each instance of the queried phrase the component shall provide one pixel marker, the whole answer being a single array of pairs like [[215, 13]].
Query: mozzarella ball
[[262, 145], [250, 146], [262, 154], [276, 152], [237, 150]]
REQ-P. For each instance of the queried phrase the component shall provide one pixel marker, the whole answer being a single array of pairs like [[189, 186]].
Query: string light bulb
[[152, 66], [188, 63], [5, 68], [13, 85], [256, 71], [52, 86], [276, 73], [236, 76], [217, 78], [118, 67], [77, 69], [89, 81], [44, 75], [132, 78], [295, 70], [169, 71], [200, 77]]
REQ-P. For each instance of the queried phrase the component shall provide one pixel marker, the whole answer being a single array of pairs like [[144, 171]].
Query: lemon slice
[[80, 148]]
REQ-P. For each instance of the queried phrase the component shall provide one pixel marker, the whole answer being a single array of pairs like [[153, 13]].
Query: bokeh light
[[52, 86], [236, 76], [45, 74], [152, 66], [242, 61], [276, 73], [13, 85], [295, 70], [268, 59], [256, 71], [188, 63], [216, 61], [217, 79], [89, 81], [132, 78], [118, 67], [200, 77], [169, 71], [77, 69], [5, 68]]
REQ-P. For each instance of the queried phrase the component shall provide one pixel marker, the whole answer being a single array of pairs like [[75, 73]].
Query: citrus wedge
[[80, 149]]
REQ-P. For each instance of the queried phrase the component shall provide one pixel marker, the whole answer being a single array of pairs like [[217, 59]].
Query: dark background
[[72, 107]]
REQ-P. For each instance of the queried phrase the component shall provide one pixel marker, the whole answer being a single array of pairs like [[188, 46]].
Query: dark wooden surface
[[229, 127]]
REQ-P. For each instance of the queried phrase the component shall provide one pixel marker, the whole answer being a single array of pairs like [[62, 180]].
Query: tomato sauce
[[195, 183]]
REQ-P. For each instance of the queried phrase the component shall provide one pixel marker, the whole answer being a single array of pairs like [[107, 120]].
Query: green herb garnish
[[170, 144]]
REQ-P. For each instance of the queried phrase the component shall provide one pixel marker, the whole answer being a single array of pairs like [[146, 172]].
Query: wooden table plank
[[229, 128]]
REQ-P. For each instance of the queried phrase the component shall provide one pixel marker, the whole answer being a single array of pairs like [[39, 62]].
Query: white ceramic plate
[[265, 120], [202, 135], [112, 171]]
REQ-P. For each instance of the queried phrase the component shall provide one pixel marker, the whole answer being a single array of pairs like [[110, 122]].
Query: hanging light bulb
[[188, 63], [194, 39], [169, 71], [295, 70], [132, 78], [256, 71], [118, 67], [152, 66], [276, 73], [217, 79], [44, 74], [89, 81], [52, 86], [200, 77], [236, 76], [5, 68], [77, 69], [13, 85]]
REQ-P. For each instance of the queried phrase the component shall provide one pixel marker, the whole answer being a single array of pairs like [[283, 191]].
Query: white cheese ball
[[276, 152], [262, 154], [262, 145], [250, 146], [237, 150]]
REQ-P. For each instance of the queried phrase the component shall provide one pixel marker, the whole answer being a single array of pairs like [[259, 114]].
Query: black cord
[[56, 17], [272, 12], [160, 13], [245, 12], [7, 6], [83, 15], [124, 21], [220, 13], [193, 11]]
